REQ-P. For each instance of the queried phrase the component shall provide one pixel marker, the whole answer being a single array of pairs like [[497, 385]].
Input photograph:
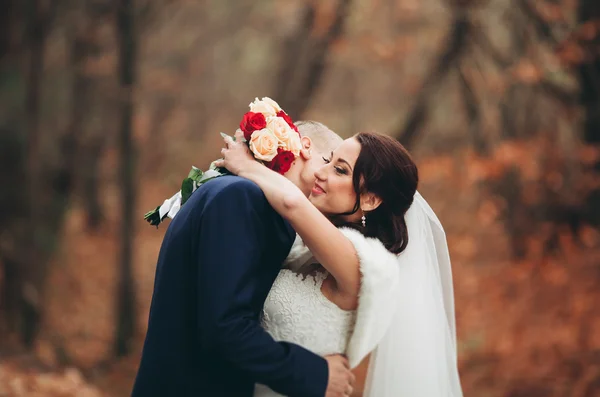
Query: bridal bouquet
[[273, 139]]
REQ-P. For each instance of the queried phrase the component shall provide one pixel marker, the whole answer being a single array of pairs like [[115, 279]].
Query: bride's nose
[[321, 173]]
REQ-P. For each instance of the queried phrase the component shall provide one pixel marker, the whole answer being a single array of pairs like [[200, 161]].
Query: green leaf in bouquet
[[195, 178], [187, 188], [210, 178], [153, 217], [195, 173]]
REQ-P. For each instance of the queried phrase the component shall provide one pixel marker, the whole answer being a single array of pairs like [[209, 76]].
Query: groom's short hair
[[323, 138]]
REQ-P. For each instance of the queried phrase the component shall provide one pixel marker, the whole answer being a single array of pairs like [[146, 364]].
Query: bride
[[369, 275]]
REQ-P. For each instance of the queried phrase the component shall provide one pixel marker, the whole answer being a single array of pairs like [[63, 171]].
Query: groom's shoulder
[[231, 184]]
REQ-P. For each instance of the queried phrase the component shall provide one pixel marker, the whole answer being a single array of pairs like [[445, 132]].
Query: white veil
[[417, 356]]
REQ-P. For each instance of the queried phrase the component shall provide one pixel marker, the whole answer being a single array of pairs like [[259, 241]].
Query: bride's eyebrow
[[341, 160]]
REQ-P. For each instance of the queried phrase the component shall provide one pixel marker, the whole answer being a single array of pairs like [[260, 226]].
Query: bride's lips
[[317, 190]]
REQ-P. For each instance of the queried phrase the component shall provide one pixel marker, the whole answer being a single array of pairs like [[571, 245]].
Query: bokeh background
[[105, 105]]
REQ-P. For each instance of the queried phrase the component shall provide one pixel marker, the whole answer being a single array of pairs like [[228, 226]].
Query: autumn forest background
[[105, 104]]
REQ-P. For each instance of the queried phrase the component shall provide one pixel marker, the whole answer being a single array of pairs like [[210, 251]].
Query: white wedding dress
[[295, 305], [297, 311], [404, 319]]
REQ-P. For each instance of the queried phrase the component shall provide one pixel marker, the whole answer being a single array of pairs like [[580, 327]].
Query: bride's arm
[[330, 247], [345, 253], [334, 251]]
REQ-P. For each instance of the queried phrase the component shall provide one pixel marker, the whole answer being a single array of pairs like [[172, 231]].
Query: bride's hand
[[236, 155]]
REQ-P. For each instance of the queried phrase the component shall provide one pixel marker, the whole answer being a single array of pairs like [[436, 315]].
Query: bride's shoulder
[[380, 283], [372, 255], [369, 248]]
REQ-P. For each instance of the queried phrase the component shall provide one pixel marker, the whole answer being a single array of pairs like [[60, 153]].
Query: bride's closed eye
[[341, 170], [338, 170]]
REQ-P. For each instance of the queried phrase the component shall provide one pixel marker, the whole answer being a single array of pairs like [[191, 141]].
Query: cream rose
[[280, 128], [264, 144], [294, 143], [271, 102], [288, 138], [266, 106]]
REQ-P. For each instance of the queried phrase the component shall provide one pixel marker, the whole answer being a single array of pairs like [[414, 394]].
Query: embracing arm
[[231, 281], [346, 254], [332, 249]]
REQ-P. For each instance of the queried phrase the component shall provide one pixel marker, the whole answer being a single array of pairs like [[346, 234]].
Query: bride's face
[[333, 192]]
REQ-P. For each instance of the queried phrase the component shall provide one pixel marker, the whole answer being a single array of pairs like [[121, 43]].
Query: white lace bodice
[[297, 311]]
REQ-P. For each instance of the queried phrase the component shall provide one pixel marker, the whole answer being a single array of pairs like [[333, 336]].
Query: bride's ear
[[369, 202], [306, 152]]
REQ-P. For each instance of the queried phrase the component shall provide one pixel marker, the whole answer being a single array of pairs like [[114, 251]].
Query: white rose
[[288, 138], [264, 144], [280, 128], [272, 103], [264, 107], [294, 143]]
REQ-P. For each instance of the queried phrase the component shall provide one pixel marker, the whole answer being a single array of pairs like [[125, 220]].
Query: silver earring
[[364, 220]]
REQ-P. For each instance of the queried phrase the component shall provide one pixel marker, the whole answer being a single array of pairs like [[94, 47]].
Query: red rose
[[252, 122], [288, 120], [282, 162]]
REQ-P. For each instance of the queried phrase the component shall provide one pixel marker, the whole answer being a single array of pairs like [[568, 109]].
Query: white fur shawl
[[378, 290]]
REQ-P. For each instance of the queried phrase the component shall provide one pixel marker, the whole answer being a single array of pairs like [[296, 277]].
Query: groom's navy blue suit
[[218, 260]]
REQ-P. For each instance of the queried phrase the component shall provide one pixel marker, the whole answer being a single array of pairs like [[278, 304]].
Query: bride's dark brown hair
[[384, 168]]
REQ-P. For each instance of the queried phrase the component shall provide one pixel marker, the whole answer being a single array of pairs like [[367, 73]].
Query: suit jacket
[[218, 261]]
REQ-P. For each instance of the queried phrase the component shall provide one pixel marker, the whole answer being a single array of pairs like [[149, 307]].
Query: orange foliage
[[16, 381]]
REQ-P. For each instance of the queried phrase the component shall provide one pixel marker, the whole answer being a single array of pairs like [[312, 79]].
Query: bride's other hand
[[236, 155]]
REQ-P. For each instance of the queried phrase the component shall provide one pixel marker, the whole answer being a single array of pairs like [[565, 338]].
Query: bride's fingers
[[219, 163], [228, 141], [239, 135]]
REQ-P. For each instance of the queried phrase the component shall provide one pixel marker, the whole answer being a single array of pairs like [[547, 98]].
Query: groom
[[217, 263]]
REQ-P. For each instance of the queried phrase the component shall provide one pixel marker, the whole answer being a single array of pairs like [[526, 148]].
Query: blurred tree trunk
[[29, 276], [517, 217], [589, 77], [304, 58], [5, 28], [512, 104], [457, 42], [8, 21], [60, 176], [91, 181], [37, 35], [14, 54], [473, 112], [125, 294], [100, 87], [12, 158], [44, 202]]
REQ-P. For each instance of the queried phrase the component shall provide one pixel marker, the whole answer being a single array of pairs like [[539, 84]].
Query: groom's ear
[[306, 151]]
